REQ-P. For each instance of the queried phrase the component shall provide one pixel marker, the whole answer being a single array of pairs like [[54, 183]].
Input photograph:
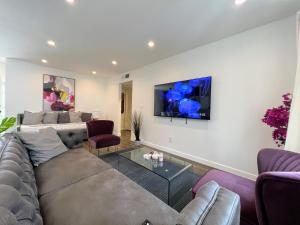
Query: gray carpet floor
[[180, 190]]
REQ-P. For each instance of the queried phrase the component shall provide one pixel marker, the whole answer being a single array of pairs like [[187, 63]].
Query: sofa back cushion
[[75, 117], [18, 199], [50, 118], [31, 118], [42, 145], [85, 117], [63, 117]]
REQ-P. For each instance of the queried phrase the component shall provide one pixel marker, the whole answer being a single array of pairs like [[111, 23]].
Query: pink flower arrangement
[[278, 118]]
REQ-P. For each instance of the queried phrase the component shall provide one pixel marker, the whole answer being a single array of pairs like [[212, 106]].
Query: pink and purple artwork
[[58, 93]]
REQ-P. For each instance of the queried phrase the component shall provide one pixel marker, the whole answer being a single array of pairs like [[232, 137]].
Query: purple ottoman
[[243, 187]]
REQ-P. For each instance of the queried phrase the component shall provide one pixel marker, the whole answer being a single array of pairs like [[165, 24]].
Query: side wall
[[2, 88], [24, 82], [250, 72]]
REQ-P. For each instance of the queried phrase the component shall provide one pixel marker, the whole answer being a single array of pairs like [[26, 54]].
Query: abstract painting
[[58, 93]]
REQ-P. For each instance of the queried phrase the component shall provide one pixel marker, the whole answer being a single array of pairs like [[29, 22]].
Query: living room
[[97, 51]]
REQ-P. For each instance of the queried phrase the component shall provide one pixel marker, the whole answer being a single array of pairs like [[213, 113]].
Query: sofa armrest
[[278, 198], [213, 205], [277, 160]]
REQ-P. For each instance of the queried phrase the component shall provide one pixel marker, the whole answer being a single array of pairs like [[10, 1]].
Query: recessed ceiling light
[[94, 72], [44, 61], [70, 1], [151, 44], [239, 2], [51, 43], [114, 62]]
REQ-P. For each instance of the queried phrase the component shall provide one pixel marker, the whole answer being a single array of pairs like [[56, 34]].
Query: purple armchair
[[100, 134], [278, 187], [274, 199]]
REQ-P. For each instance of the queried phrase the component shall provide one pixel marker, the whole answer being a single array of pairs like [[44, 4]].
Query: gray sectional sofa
[[72, 134], [77, 188]]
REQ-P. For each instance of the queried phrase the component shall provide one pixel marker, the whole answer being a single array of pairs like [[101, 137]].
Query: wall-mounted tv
[[184, 99]]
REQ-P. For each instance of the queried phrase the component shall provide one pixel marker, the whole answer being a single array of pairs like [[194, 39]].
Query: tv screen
[[183, 99]]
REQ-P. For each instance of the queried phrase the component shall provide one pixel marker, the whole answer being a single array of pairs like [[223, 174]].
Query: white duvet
[[60, 126]]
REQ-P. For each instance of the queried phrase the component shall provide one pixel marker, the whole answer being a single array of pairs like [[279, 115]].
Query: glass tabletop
[[169, 168]]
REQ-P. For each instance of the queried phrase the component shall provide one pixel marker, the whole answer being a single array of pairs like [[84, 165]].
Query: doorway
[[126, 110]]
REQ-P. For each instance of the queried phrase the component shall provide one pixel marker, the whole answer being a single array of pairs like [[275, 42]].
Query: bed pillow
[[64, 117], [75, 117], [50, 118], [31, 118], [42, 145], [85, 117]]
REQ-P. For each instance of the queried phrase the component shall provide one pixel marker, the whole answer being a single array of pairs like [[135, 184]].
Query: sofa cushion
[[7, 217], [15, 158], [85, 117], [42, 145], [67, 168], [24, 212], [18, 199], [10, 178], [73, 138], [31, 118], [64, 117], [106, 198], [50, 118], [212, 205], [75, 117]]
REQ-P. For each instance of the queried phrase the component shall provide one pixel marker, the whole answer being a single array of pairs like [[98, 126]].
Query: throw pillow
[[31, 118], [64, 117], [50, 118], [42, 145], [85, 117], [75, 117]]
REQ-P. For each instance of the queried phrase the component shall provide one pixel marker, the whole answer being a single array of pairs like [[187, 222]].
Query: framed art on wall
[[58, 93]]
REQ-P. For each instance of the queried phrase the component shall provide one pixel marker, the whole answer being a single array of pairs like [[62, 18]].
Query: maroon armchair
[[100, 134], [274, 199]]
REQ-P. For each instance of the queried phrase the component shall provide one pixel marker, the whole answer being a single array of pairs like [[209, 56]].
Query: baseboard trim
[[202, 161]]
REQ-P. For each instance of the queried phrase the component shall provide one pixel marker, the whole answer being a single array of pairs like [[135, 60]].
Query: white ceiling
[[92, 33]]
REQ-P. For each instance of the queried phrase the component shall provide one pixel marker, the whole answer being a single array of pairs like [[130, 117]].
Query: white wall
[[2, 82], [250, 72], [24, 84]]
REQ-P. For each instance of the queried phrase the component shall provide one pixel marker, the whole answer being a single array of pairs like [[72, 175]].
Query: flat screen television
[[184, 99]]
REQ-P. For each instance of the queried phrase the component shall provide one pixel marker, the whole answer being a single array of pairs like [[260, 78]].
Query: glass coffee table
[[170, 169]]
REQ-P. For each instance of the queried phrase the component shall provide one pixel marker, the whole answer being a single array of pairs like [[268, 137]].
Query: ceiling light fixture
[[70, 1], [51, 43], [44, 61], [239, 2], [94, 72], [114, 62], [151, 44]]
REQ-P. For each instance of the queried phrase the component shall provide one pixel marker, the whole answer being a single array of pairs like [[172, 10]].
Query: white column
[[293, 134]]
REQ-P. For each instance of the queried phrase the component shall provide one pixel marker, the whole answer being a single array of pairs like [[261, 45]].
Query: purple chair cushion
[[104, 140], [243, 187]]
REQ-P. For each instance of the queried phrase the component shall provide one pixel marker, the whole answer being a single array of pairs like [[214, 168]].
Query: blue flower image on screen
[[173, 96], [183, 88], [184, 99], [189, 108]]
